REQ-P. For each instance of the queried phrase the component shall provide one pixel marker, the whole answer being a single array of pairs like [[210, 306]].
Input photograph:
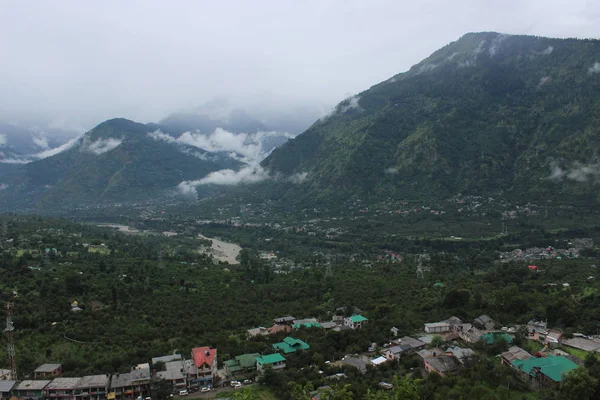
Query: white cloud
[[252, 147], [427, 68], [391, 171], [101, 146], [578, 172], [41, 141], [548, 51], [350, 103], [56, 150], [298, 178], [595, 69], [3, 186], [3, 140], [544, 80]]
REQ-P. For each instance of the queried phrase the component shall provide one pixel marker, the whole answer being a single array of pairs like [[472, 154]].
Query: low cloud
[[578, 172], [247, 175], [350, 103], [3, 186], [548, 51], [594, 69], [41, 141], [56, 150], [391, 171], [102, 146], [544, 80], [3, 140], [246, 147]]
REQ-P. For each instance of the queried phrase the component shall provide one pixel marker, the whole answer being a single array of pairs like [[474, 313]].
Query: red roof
[[203, 355], [533, 267]]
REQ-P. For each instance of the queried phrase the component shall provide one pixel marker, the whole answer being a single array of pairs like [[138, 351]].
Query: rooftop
[[582, 343], [412, 342], [203, 355], [516, 353], [310, 324], [490, 338], [63, 383], [6, 386], [31, 385], [290, 345], [443, 363], [358, 318], [170, 374], [93, 381], [47, 368], [270, 359], [165, 359], [554, 367]]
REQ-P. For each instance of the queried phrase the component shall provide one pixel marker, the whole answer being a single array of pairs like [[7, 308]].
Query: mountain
[[117, 161], [488, 114]]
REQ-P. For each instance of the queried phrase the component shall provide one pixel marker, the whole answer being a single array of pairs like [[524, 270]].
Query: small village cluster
[[544, 369], [200, 372]]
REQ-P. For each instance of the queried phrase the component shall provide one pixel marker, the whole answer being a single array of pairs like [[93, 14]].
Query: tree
[[338, 393], [436, 341], [406, 388], [300, 392], [160, 389], [248, 393], [578, 385]]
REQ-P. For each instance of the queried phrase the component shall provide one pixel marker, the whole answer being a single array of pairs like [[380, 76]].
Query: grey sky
[[83, 62]]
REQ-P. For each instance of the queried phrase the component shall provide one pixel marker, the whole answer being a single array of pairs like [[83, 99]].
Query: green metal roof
[[307, 325], [554, 367], [490, 338], [270, 359], [242, 361], [290, 345], [358, 318]]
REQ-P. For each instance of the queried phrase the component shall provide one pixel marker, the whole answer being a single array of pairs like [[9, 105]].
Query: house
[[92, 387], [174, 373], [241, 366], [355, 362], [414, 344], [394, 331], [5, 374], [274, 361], [75, 307], [443, 364], [514, 353], [306, 324], [536, 328], [355, 321], [47, 371], [291, 345], [493, 337], [205, 361], [437, 327], [582, 344], [484, 322], [552, 337], [463, 355], [132, 384], [378, 361], [29, 389], [260, 331], [545, 371], [328, 325], [287, 320], [62, 388], [280, 328], [427, 353], [5, 388], [166, 359], [395, 352]]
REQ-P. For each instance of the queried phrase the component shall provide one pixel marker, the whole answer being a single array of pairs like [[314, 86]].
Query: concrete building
[[62, 388], [48, 371], [5, 388], [274, 361], [205, 361], [92, 387], [29, 389], [355, 321], [132, 384]]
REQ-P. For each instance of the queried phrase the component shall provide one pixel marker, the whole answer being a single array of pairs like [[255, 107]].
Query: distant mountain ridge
[[489, 113], [117, 161]]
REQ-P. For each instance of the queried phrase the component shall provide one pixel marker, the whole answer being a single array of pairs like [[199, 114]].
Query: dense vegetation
[[145, 296]]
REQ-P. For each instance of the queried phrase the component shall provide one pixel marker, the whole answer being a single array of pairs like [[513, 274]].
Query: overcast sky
[[83, 62]]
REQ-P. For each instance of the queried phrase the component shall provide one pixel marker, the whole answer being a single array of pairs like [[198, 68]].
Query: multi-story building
[[29, 389], [48, 371], [132, 384], [92, 387], [205, 361], [62, 388]]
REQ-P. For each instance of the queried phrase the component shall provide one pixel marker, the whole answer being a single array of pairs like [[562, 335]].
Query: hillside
[[117, 161], [487, 114]]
